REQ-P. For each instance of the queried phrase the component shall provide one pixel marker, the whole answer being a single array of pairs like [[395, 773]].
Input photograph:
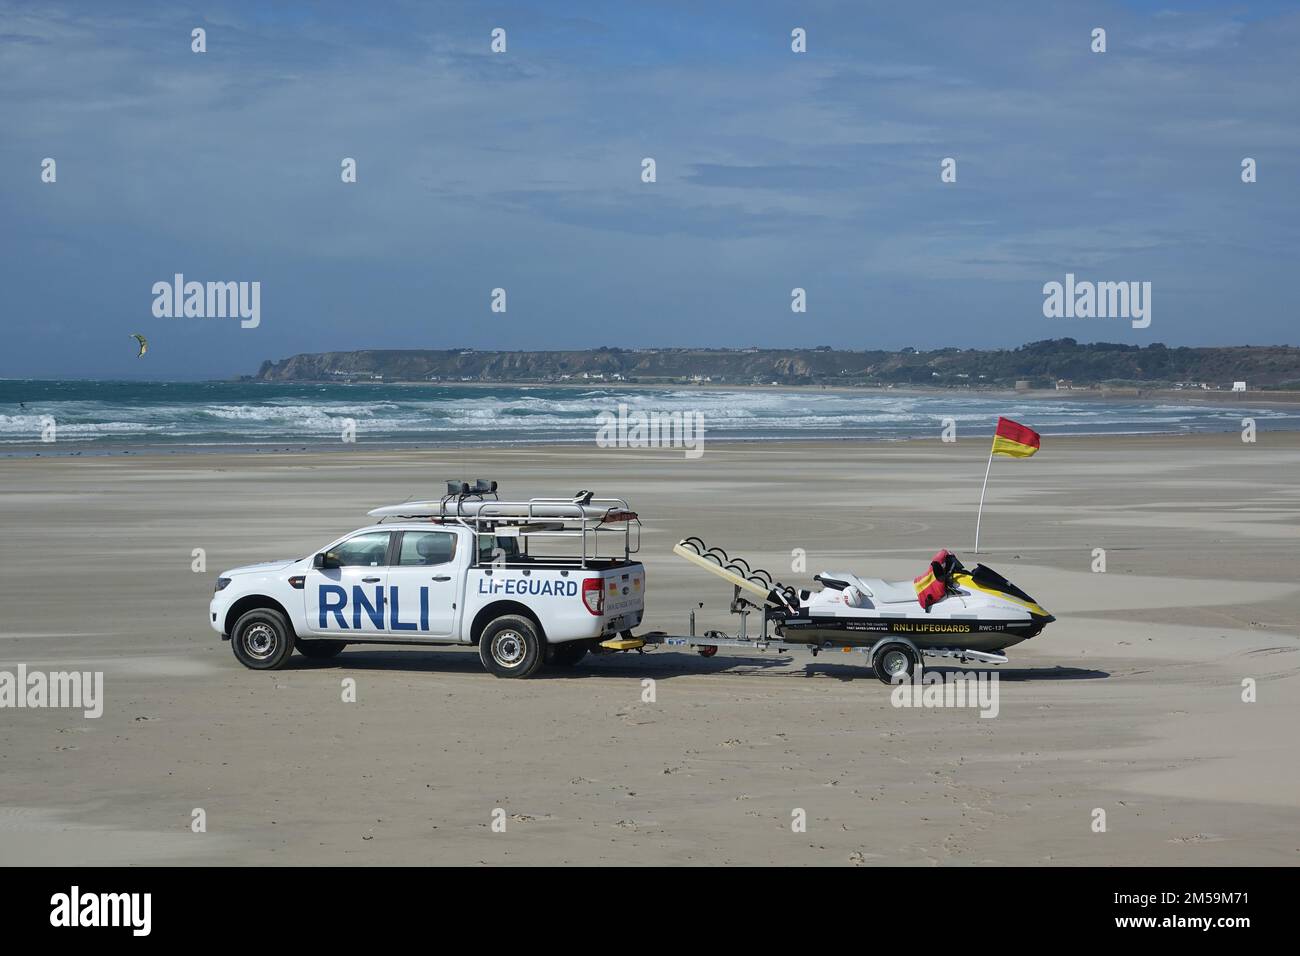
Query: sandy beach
[[1131, 702]]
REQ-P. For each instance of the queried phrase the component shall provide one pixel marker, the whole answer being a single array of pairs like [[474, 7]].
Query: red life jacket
[[932, 586]]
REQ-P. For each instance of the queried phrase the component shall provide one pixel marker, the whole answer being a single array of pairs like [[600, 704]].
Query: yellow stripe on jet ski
[[966, 581]]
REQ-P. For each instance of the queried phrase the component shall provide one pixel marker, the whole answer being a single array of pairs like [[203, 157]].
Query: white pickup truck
[[460, 570]]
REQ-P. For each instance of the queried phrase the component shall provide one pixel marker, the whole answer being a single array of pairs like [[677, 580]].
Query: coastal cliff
[[1037, 365]]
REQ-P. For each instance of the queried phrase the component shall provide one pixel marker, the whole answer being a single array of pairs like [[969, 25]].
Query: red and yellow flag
[[1014, 439]]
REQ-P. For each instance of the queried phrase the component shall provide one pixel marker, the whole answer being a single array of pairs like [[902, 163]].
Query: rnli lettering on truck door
[[370, 608]]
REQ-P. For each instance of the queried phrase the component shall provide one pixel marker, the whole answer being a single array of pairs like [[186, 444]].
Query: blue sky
[[522, 170]]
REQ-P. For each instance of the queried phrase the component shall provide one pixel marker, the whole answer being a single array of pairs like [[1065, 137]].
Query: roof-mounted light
[[479, 486]]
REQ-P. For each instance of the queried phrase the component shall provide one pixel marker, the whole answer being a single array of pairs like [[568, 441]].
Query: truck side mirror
[[325, 560]]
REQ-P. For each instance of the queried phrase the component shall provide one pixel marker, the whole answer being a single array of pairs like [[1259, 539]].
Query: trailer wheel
[[320, 650], [566, 654], [262, 639], [511, 646], [894, 662], [708, 650]]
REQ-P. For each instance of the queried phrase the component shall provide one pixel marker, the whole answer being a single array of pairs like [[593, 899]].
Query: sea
[[106, 416]]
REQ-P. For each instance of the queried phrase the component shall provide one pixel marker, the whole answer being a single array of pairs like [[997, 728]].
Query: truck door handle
[[442, 577], [370, 580]]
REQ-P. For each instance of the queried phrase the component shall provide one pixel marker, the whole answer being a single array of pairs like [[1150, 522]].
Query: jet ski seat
[[889, 592], [880, 592]]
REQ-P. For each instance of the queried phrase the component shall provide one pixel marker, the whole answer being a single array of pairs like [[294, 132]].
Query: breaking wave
[[233, 413]]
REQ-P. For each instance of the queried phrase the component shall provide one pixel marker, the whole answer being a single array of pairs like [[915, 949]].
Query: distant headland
[[1049, 364]]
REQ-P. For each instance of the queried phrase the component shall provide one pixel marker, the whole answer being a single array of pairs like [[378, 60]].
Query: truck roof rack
[[477, 506]]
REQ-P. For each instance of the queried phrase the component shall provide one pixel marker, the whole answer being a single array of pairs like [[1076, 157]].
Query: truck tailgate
[[624, 596]]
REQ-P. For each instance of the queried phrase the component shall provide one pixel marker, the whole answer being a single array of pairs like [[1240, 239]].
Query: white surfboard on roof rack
[[582, 517], [606, 510], [479, 502]]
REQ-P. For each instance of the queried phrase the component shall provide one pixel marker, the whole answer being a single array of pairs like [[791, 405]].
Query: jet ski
[[948, 607]]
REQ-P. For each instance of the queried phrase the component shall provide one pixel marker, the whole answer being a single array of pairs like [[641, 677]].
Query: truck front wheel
[[511, 646], [262, 639]]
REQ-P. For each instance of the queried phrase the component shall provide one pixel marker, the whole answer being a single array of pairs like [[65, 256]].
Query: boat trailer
[[749, 582]]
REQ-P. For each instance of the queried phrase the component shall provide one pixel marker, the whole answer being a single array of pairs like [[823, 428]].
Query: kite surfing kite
[[142, 342]]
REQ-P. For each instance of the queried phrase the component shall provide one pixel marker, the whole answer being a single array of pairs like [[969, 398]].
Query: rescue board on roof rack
[[541, 509]]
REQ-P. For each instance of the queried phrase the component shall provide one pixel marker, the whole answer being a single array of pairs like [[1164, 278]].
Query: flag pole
[[980, 514]]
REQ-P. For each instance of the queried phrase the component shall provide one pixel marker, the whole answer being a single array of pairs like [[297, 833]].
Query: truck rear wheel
[[894, 662], [320, 650], [262, 639], [511, 646]]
